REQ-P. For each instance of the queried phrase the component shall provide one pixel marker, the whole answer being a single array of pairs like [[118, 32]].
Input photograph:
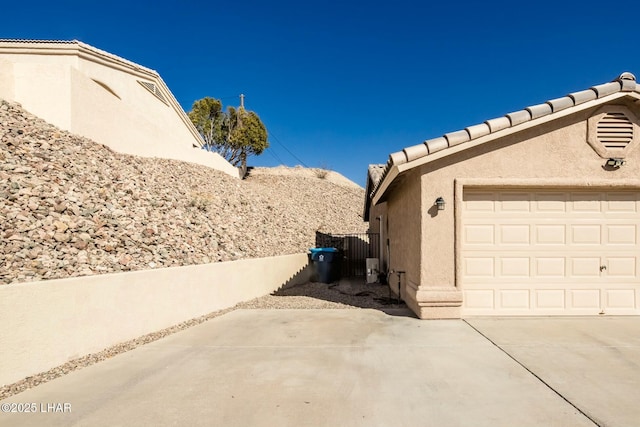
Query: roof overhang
[[395, 173]]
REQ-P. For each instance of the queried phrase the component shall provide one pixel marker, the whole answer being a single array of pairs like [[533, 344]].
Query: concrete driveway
[[591, 362], [356, 368]]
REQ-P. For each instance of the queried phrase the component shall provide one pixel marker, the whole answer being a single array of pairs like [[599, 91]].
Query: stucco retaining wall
[[45, 324]]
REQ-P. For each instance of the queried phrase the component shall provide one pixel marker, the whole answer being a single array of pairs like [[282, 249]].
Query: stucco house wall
[[98, 95], [551, 153]]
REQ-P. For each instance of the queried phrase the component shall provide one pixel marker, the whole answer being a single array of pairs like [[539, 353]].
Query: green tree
[[207, 116], [234, 134]]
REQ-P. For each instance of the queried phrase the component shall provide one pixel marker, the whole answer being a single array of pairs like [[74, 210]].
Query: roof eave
[[396, 170]]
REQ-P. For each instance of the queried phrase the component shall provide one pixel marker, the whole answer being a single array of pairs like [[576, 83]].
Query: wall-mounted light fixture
[[440, 203], [615, 162]]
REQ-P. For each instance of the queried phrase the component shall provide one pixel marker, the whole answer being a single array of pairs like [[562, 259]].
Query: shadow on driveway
[[345, 293]]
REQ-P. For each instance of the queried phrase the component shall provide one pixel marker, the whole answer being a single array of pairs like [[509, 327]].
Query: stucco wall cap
[[455, 138], [560, 104], [398, 158], [498, 123], [415, 152], [583, 96], [436, 144], [607, 88], [476, 131], [539, 110], [518, 117]]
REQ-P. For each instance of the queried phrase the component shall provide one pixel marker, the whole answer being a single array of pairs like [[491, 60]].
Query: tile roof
[[375, 173], [374, 176], [626, 82]]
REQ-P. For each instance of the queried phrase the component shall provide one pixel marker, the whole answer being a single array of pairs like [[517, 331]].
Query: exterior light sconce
[[440, 203], [615, 163]]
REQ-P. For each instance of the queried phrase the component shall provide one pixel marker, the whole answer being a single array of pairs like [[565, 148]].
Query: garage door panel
[[550, 234], [479, 234], [585, 234], [584, 298], [514, 299], [515, 267], [550, 267], [515, 202], [479, 267], [551, 252], [514, 234], [550, 299], [621, 202], [582, 267], [551, 202], [481, 300], [586, 202], [621, 266], [621, 234], [480, 202], [620, 299]]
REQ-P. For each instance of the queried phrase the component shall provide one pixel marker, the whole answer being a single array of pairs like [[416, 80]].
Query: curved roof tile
[[415, 152], [518, 117], [560, 104], [398, 158], [455, 138], [539, 110], [476, 131], [498, 123], [607, 88], [583, 96], [436, 144]]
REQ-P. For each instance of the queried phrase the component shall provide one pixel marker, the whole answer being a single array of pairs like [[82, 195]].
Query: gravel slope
[[72, 207]]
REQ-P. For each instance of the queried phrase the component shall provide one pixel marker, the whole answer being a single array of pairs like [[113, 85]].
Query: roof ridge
[[625, 82]]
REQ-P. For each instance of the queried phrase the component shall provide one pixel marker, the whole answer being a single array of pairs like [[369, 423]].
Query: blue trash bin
[[326, 262]]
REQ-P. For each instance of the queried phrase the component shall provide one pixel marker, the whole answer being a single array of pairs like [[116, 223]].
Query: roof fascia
[[397, 170]]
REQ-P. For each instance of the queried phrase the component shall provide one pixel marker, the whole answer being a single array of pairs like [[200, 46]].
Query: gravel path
[[346, 294]]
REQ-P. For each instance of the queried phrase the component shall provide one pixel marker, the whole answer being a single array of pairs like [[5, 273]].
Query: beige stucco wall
[[6, 83], [48, 323], [552, 154], [61, 87], [404, 211]]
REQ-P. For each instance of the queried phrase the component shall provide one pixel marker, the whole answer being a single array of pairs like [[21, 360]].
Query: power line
[[288, 151], [275, 156]]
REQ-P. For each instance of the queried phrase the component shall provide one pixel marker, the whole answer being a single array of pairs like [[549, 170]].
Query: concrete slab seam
[[534, 374]]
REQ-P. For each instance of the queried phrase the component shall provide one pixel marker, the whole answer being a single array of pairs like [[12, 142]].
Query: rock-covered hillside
[[72, 207]]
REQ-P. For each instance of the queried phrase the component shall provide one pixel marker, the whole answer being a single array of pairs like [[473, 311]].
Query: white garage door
[[538, 252]]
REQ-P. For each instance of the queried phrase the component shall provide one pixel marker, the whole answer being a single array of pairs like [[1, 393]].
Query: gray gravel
[[346, 294]]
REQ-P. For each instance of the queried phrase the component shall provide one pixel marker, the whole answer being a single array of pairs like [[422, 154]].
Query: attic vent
[[154, 90], [614, 131]]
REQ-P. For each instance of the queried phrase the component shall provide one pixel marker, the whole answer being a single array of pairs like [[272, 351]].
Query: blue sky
[[342, 84]]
